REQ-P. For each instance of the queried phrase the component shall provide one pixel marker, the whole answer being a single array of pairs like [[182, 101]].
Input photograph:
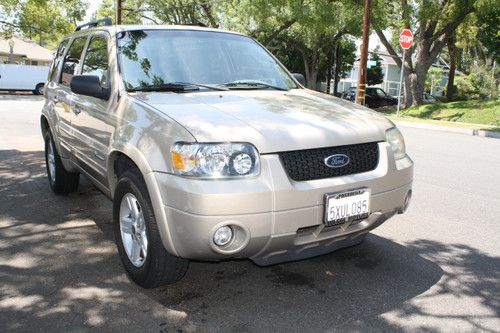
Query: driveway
[[435, 268]]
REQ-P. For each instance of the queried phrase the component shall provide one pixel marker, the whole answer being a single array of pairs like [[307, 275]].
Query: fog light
[[223, 235]]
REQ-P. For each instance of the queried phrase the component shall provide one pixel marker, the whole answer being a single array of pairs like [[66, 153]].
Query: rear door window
[[72, 60]]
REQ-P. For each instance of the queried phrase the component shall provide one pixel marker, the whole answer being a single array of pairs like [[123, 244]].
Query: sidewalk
[[463, 130]]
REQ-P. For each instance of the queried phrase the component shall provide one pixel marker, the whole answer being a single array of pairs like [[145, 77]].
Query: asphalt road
[[435, 268]]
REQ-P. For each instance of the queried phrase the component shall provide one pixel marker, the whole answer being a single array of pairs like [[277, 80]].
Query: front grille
[[309, 164]]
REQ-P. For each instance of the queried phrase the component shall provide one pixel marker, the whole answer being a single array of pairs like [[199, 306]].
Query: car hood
[[271, 120]]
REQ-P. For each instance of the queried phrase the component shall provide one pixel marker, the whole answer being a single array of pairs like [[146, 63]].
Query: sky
[[93, 5]]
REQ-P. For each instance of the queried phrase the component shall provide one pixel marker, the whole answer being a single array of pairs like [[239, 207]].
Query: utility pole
[[360, 98], [118, 12]]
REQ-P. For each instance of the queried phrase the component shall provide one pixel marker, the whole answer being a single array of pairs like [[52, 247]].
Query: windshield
[[159, 57]]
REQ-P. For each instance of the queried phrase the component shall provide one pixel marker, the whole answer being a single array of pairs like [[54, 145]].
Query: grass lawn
[[479, 112]]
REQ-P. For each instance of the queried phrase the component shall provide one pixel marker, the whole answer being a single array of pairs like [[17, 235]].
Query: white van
[[23, 77]]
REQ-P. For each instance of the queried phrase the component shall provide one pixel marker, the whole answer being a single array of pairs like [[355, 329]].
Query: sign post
[[405, 40]]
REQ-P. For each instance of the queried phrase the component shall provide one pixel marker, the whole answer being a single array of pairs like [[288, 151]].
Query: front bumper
[[274, 218]]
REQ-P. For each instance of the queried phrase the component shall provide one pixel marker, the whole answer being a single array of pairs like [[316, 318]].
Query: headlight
[[395, 139], [215, 160]]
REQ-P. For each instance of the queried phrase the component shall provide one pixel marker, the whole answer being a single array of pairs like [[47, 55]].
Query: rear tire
[[60, 180], [141, 250]]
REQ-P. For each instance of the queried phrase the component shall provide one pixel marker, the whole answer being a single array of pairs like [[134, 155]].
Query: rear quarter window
[[54, 69]]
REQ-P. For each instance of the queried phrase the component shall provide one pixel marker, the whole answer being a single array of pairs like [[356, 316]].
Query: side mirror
[[89, 85], [299, 77]]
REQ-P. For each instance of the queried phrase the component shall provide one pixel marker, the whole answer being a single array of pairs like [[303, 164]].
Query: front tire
[[137, 237], [60, 180]]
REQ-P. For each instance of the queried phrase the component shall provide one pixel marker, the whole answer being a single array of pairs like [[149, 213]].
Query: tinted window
[[57, 60], [211, 58], [72, 60], [96, 59]]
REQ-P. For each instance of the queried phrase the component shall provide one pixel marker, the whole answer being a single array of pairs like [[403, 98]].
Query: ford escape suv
[[210, 149]]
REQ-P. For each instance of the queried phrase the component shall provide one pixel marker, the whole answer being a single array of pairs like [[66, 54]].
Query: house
[[391, 75], [24, 52]]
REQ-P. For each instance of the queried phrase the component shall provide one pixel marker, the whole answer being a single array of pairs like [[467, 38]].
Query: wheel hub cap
[[133, 230]]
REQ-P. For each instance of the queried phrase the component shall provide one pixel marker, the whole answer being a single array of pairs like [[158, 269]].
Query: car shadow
[[60, 272]]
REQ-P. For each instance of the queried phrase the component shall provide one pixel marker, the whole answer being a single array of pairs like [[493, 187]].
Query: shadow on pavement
[[61, 273]]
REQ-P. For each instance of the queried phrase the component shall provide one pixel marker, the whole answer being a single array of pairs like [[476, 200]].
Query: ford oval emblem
[[337, 161]]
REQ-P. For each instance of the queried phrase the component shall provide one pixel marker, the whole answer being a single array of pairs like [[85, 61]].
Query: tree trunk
[[417, 88], [416, 82], [452, 50], [311, 69], [306, 67], [336, 73], [408, 69], [329, 71], [313, 79]]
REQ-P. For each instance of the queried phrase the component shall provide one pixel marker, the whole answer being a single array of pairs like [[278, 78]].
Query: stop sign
[[406, 39]]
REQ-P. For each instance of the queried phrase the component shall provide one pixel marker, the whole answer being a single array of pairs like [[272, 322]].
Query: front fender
[[145, 137]]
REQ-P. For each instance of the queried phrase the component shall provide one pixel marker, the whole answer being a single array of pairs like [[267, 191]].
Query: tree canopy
[[433, 24], [44, 21]]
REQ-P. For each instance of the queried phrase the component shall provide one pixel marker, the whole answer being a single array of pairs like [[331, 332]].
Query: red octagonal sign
[[406, 39]]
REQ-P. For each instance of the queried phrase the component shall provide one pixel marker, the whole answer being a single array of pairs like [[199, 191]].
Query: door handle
[[99, 156]]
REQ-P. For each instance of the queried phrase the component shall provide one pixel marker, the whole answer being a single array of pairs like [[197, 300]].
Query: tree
[[433, 23], [43, 20], [312, 29], [452, 53], [488, 18], [476, 43], [374, 74]]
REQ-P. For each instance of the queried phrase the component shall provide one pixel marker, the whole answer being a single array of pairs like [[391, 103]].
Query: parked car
[[374, 97], [210, 149], [23, 78], [427, 99]]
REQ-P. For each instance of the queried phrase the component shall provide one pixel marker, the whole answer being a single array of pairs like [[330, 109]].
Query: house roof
[[26, 48]]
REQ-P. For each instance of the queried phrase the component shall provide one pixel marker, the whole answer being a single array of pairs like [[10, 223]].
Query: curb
[[466, 131]]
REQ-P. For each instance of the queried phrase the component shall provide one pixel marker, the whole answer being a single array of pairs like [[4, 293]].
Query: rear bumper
[[274, 218]]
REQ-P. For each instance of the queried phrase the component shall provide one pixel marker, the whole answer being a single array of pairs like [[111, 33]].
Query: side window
[[57, 60], [71, 60], [96, 60]]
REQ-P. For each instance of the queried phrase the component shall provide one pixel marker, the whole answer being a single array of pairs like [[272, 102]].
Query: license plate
[[347, 206]]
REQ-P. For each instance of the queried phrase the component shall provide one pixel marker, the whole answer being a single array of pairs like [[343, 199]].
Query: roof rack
[[105, 21]]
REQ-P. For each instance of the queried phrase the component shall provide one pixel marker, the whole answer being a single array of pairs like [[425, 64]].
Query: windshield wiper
[[174, 86], [252, 83]]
